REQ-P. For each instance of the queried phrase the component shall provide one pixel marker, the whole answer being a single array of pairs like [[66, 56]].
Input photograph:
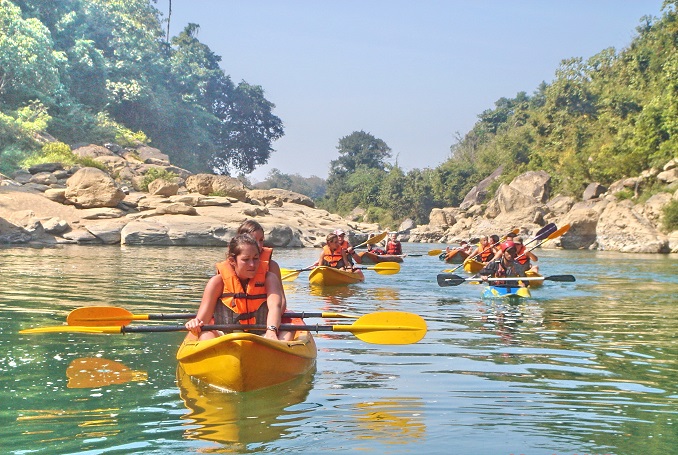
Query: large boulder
[[274, 195], [536, 184], [478, 193], [621, 228], [582, 233], [221, 185], [91, 187], [509, 200]]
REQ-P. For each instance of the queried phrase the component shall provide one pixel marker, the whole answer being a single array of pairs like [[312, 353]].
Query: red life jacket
[[394, 248], [486, 254], [244, 302], [520, 249]]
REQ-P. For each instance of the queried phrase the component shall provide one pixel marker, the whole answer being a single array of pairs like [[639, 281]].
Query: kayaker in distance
[[462, 251], [378, 251], [393, 246], [505, 266], [255, 229], [482, 252], [241, 292], [524, 257], [333, 254]]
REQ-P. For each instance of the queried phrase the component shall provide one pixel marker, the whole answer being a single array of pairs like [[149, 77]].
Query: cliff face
[[604, 219], [51, 205]]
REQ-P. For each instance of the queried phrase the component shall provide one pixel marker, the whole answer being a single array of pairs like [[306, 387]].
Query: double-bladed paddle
[[514, 231], [387, 327], [110, 315], [553, 235], [382, 268], [448, 279], [372, 240]]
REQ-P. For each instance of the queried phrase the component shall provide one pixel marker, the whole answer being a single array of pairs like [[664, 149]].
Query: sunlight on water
[[584, 367]]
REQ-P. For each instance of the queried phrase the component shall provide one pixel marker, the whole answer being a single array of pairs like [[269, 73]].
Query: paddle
[[551, 236], [382, 268], [446, 279], [388, 327], [372, 240], [291, 275], [514, 231], [543, 233], [110, 315]]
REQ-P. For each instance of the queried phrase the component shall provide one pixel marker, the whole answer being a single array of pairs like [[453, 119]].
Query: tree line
[[104, 71]]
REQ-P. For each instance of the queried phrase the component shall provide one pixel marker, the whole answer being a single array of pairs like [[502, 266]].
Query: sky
[[415, 74]]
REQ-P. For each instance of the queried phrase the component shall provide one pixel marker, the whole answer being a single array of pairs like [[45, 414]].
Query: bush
[[670, 216], [58, 152], [154, 174], [624, 194]]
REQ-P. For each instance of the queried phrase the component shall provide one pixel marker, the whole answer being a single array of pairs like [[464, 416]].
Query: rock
[[178, 230], [668, 176], [82, 236], [220, 185], [441, 218], [508, 200], [45, 167], [560, 205], [593, 191], [176, 208], [536, 184], [55, 226], [478, 193], [43, 178], [582, 233], [406, 226], [621, 228], [150, 155], [91, 187], [92, 151], [162, 187], [654, 206]]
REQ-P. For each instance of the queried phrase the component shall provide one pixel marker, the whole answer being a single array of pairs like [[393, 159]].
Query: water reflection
[[95, 372], [241, 418], [398, 420]]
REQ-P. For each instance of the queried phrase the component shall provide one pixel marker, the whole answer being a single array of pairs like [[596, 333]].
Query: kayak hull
[[454, 256], [330, 276], [243, 361], [473, 266], [504, 292], [369, 257]]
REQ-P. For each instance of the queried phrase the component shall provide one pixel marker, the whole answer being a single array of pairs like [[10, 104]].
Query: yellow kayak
[[473, 266], [243, 361], [329, 276], [535, 283]]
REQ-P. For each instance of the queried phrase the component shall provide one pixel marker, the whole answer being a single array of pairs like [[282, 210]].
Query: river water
[[580, 368]]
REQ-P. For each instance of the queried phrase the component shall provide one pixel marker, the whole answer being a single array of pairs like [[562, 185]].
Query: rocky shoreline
[[54, 205]]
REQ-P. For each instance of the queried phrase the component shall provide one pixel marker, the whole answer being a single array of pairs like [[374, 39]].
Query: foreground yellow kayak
[[244, 361], [329, 276]]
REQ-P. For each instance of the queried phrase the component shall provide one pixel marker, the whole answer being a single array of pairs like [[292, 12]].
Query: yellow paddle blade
[[387, 327], [102, 316], [291, 276], [434, 252], [559, 232], [372, 240], [386, 268], [74, 329]]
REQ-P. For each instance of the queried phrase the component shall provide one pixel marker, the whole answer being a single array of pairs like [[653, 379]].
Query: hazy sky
[[412, 73]]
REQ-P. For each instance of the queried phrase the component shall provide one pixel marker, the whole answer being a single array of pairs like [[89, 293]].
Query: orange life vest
[[331, 258], [524, 259], [244, 302], [485, 255]]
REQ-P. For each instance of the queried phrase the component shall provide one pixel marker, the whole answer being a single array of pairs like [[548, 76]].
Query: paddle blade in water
[[100, 316], [447, 279]]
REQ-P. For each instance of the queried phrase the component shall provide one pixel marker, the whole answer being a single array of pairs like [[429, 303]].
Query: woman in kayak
[[241, 292], [506, 266]]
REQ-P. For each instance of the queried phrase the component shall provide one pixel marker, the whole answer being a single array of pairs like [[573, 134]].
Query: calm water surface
[[586, 367]]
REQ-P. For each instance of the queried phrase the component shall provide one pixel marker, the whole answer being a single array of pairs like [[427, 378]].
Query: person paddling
[[506, 266], [348, 249], [333, 255], [483, 251], [524, 257], [241, 293], [393, 246]]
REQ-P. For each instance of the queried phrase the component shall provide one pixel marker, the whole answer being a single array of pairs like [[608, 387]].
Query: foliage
[[155, 173], [104, 71], [58, 152], [313, 187], [670, 216]]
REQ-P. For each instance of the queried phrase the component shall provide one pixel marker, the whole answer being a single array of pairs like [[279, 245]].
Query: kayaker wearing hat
[[506, 266], [348, 249]]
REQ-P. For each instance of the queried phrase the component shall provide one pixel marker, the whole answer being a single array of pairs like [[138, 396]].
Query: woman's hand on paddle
[[194, 326]]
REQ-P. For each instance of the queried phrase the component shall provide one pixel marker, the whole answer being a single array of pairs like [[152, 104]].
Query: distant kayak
[[473, 266], [329, 276], [368, 257], [453, 256]]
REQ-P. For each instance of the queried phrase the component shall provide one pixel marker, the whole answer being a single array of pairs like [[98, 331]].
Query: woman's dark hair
[[237, 243], [249, 227]]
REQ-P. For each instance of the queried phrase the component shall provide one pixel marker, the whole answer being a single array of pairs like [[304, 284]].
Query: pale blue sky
[[412, 73]]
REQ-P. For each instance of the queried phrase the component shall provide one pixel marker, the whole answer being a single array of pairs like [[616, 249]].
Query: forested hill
[[104, 71], [599, 120]]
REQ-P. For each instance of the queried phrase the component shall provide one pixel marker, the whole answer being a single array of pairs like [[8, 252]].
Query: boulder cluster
[[606, 218], [53, 204]]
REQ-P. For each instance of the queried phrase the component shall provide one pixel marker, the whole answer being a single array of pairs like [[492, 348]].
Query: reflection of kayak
[[253, 417], [367, 257], [535, 283], [473, 266], [453, 256], [493, 292], [329, 276], [243, 361]]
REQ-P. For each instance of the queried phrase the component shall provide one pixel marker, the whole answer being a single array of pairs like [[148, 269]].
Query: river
[[588, 367]]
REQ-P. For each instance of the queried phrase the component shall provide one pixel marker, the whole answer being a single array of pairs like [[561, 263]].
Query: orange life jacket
[[331, 258], [486, 254], [244, 302], [524, 259]]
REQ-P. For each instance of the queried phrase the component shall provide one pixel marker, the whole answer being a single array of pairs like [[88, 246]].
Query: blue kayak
[[508, 292]]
